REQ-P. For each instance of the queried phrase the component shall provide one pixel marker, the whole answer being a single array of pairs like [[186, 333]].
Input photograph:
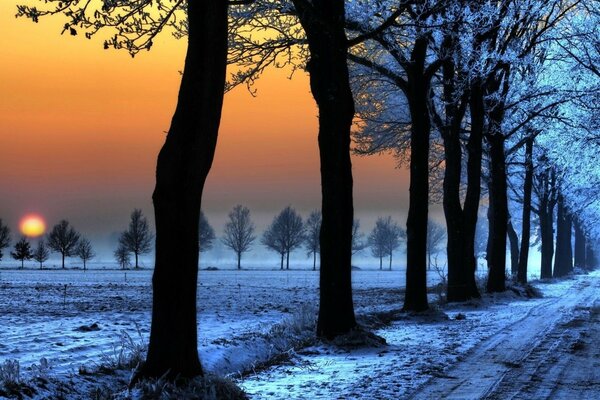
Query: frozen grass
[[128, 353], [208, 387]]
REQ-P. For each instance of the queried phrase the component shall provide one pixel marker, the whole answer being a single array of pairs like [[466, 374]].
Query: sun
[[32, 225]]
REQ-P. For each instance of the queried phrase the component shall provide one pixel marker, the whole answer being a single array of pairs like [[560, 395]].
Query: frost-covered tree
[[85, 251], [285, 234], [4, 237], [41, 253], [239, 232], [22, 251], [385, 238], [312, 232], [137, 239], [63, 239], [206, 234]]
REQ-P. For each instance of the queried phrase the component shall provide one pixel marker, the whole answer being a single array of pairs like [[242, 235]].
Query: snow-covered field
[[74, 318]]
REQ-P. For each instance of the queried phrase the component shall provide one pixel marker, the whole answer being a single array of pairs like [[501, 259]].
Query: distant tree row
[[61, 239]]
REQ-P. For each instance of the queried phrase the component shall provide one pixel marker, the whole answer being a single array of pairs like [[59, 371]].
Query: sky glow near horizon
[[80, 129]]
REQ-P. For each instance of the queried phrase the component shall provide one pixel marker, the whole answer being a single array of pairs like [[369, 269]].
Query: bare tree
[[4, 237], [313, 230], [285, 234], [122, 256], [239, 232], [436, 233], [85, 251], [377, 240], [184, 160], [393, 237], [63, 239], [137, 239], [41, 253], [358, 238], [206, 234], [22, 251]]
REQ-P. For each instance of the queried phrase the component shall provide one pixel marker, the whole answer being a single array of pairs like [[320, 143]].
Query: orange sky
[[80, 128]]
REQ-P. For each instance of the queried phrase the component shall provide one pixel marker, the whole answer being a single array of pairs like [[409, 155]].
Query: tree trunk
[[514, 249], [287, 261], [324, 21], [136, 260], [499, 206], [473, 196], [415, 298], [579, 245], [390, 261], [563, 262], [83, 265], [63, 260], [380, 263], [282, 255], [41, 266], [547, 233], [22, 263], [239, 260], [314, 260], [591, 262], [183, 164], [526, 229]]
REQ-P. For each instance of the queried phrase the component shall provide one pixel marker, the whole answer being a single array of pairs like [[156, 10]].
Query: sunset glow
[[32, 225]]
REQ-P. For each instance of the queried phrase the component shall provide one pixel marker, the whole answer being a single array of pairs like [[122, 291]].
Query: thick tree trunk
[[323, 22], [591, 262], [547, 233], [579, 245], [563, 262], [499, 206], [415, 298], [183, 164], [473, 196], [526, 229], [513, 240]]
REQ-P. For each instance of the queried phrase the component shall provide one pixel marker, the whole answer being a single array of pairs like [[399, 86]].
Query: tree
[[285, 234], [137, 239], [393, 236], [206, 234], [41, 253], [4, 237], [85, 251], [22, 251], [122, 256], [358, 242], [384, 239], [563, 262], [435, 239], [184, 160], [239, 232], [63, 239], [313, 230]]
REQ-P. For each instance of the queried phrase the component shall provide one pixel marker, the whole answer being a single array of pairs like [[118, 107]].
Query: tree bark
[[580, 243], [323, 22], [183, 164], [563, 262], [415, 298], [526, 229], [514, 248], [499, 206]]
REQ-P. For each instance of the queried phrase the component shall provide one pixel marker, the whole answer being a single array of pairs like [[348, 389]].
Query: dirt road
[[552, 352]]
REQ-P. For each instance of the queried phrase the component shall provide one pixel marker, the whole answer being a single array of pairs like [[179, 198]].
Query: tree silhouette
[[63, 239], [206, 234], [184, 160], [85, 251], [435, 239], [384, 239], [239, 232], [22, 251], [137, 239], [313, 230], [122, 256], [358, 242], [41, 253], [4, 237], [285, 234]]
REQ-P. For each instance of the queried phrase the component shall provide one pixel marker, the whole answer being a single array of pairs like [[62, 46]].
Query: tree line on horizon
[[286, 233], [490, 101]]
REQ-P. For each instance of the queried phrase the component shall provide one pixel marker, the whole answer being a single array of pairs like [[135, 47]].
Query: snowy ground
[[462, 351]]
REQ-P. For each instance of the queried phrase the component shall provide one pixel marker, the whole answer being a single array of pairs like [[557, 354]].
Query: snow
[[237, 314]]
